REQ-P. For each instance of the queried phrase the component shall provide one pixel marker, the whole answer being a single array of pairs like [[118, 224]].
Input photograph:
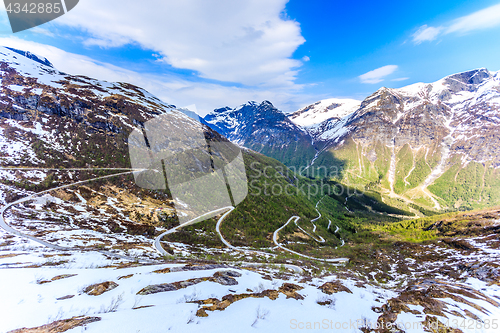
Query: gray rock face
[[157, 288], [463, 105], [225, 278], [226, 281], [100, 288], [265, 129], [229, 273]]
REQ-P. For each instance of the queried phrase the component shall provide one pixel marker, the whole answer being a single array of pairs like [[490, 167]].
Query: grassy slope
[[275, 195], [298, 153], [464, 188], [404, 164], [459, 188], [440, 226], [421, 171]]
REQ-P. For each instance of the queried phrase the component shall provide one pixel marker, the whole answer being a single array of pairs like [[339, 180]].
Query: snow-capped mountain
[[265, 129], [80, 252], [460, 107], [53, 119], [32, 56], [409, 141], [426, 142], [65, 114], [248, 119], [327, 109]]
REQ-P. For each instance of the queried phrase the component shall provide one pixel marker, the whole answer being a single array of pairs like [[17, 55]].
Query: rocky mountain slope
[[332, 108], [433, 145], [98, 269], [265, 129], [50, 117], [58, 129]]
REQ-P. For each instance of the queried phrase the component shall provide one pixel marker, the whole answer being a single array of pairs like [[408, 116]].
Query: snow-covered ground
[[323, 110], [41, 285], [27, 303]]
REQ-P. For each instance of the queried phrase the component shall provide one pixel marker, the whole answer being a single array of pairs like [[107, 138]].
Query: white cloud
[[244, 41], [206, 96], [305, 58], [42, 31], [400, 79], [425, 33], [483, 19], [378, 75]]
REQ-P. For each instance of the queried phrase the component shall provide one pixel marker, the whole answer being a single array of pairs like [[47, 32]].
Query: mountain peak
[[264, 128], [250, 103], [475, 76], [257, 104], [32, 56], [221, 110], [327, 109]]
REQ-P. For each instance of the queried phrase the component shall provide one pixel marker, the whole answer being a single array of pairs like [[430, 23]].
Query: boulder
[[60, 325], [157, 288], [334, 287], [226, 278], [100, 288], [290, 290]]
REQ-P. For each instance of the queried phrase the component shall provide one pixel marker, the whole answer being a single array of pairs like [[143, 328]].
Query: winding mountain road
[[275, 240], [157, 242], [161, 250], [9, 229], [321, 240], [296, 218]]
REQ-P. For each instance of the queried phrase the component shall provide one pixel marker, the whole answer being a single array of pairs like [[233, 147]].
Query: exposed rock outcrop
[[100, 288]]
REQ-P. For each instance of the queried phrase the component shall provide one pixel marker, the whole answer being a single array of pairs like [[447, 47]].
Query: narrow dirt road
[[9, 229]]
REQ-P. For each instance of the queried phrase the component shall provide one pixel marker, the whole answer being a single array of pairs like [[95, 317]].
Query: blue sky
[[293, 53]]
